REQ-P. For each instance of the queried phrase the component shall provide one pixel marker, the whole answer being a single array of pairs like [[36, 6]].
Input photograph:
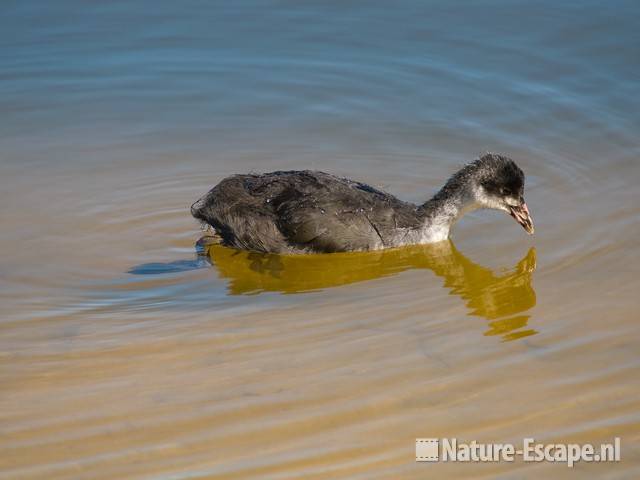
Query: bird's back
[[298, 211]]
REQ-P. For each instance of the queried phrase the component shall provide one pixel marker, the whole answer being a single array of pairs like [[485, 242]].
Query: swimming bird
[[310, 211]]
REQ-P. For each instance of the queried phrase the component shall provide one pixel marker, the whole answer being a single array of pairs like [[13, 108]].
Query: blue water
[[410, 78]]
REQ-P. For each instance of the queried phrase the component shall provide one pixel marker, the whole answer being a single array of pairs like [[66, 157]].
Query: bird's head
[[499, 185]]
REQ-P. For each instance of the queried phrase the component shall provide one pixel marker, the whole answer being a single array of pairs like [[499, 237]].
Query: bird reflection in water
[[500, 298]]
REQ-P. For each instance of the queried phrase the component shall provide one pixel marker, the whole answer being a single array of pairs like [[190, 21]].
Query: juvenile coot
[[308, 211]]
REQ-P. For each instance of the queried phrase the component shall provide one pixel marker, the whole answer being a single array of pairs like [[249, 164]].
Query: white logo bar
[[450, 450]]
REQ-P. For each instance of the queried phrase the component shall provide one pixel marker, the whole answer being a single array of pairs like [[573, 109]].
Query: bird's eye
[[504, 191]]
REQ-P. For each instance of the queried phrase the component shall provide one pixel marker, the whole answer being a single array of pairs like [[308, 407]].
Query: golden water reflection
[[502, 298]]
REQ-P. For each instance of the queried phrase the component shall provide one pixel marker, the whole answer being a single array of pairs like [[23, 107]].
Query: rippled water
[[125, 353]]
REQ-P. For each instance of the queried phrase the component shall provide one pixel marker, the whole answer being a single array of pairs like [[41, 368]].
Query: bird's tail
[[197, 208], [199, 211]]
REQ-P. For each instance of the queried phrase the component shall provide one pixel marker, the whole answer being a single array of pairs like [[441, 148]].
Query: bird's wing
[[342, 218]]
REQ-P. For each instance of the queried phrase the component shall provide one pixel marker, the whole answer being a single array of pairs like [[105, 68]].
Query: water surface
[[125, 354]]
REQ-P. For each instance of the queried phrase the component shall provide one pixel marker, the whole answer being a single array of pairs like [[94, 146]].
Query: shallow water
[[125, 354]]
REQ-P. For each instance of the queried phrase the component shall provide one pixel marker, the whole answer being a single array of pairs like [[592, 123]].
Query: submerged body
[[310, 211]]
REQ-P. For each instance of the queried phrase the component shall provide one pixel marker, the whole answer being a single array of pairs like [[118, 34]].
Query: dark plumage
[[309, 211]]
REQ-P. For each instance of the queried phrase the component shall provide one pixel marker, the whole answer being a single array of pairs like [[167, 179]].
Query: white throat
[[438, 223]]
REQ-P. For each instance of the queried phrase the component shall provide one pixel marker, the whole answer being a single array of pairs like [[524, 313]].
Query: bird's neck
[[441, 212]]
